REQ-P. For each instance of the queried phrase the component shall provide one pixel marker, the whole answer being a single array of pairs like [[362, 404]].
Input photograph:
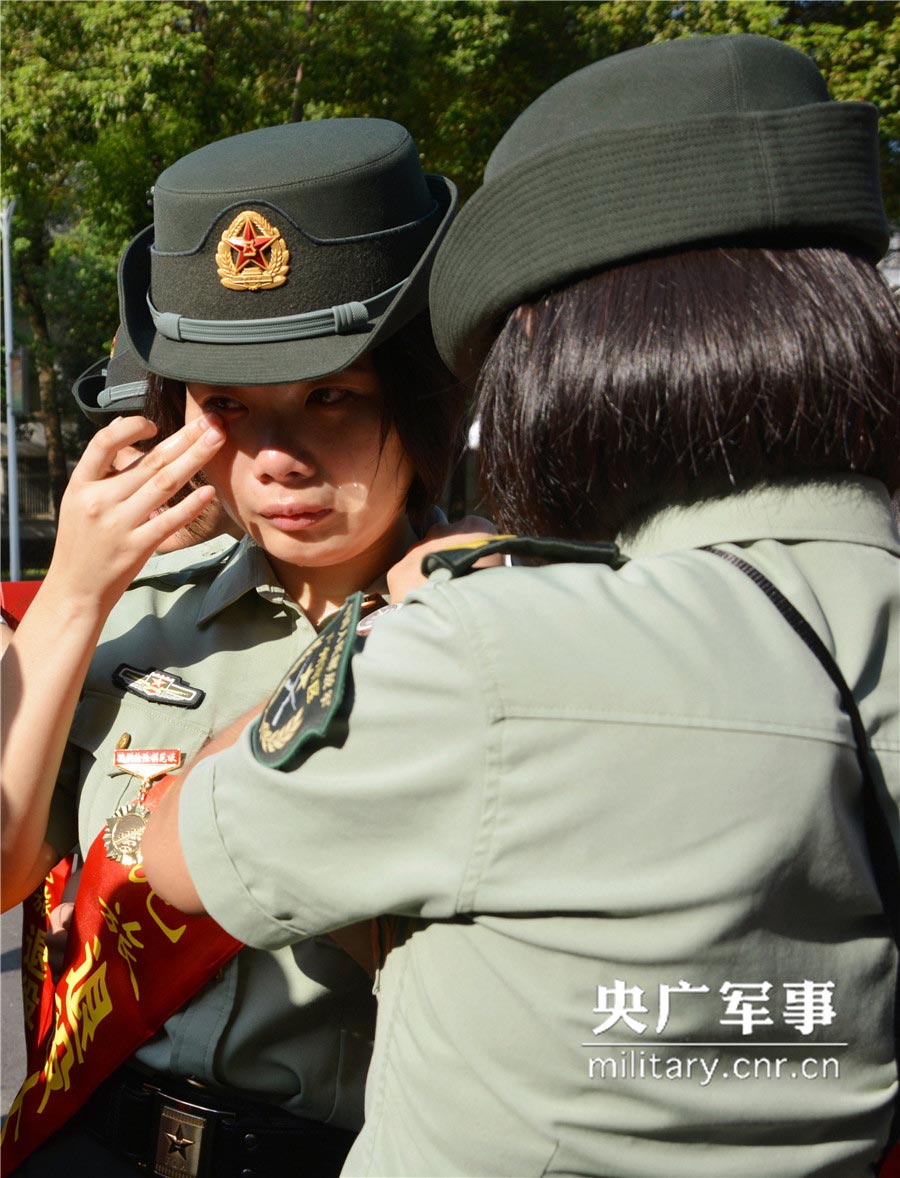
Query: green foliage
[[102, 95]]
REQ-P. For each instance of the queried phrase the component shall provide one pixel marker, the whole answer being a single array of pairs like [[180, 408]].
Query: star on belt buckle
[[184, 1138], [179, 1143]]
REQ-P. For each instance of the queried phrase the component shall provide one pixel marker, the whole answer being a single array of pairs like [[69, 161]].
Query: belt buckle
[[184, 1136]]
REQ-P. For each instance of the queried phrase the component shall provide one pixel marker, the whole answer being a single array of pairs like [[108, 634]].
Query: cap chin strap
[[340, 320]]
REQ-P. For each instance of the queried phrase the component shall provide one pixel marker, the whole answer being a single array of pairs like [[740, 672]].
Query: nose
[[278, 463]]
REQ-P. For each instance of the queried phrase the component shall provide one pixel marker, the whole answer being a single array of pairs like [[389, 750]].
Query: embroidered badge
[[159, 687], [252, 254], [311, 692]]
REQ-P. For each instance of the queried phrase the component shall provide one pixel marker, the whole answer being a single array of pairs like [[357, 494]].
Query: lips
[[292, 518]]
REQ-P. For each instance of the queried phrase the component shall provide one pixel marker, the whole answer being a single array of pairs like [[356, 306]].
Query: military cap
[[114, 385], [284, 253], [703, 139]]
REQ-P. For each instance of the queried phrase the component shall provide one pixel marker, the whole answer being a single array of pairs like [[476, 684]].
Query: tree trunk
[[49, 411], [297, 96]]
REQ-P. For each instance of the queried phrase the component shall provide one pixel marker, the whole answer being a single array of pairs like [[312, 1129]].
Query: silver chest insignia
[[159, 687]]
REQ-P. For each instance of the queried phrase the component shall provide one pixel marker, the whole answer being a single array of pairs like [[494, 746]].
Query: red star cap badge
[[250, 247]]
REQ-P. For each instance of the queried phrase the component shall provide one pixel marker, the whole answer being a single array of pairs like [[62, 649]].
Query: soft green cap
[[701, 139]]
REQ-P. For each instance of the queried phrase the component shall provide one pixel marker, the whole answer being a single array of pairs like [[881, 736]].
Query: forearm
[[42, 672], [163, 858]]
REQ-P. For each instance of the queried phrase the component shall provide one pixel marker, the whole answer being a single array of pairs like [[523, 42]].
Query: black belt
[[167, 1126]]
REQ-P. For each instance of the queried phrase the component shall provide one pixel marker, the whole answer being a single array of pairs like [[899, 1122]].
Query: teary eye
[[221, 404], [328, 395]]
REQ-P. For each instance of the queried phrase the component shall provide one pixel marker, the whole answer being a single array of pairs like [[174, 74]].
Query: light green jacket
[[629, 804], [292, 1026]]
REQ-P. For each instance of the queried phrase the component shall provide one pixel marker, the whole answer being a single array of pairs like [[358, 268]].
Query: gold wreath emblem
[[252, 254], [273, 740]]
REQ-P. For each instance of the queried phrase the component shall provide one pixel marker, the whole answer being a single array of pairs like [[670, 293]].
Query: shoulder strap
[[882, 852], [461, 559]]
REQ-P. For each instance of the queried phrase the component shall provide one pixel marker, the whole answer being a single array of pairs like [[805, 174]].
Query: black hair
[[688, 376], [422, 401]]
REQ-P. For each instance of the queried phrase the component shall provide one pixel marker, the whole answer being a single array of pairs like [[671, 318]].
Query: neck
[[320, 591]]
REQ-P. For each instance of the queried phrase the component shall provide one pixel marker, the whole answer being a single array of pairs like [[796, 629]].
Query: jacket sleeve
[[386, 815]]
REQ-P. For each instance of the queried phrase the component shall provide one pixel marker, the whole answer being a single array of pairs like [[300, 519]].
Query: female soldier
[[327, 434], [637, 812]]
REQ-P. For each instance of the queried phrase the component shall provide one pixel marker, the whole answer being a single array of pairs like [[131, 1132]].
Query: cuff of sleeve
[[224, 894]]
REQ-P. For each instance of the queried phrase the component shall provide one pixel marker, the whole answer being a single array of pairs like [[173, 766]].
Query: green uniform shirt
[[629, 804], [293, 1025]]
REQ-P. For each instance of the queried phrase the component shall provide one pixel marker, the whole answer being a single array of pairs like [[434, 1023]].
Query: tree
[[102, 96]]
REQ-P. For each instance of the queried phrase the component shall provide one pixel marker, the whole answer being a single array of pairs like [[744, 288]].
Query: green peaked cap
[[283, 254]]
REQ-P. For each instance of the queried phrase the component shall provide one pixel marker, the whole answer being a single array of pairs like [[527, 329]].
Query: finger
[[101, 450], [169, 468], [166, 523], [134, 475]]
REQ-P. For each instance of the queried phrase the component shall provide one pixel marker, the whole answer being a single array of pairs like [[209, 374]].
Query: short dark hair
[[688, 376], [422, 401]]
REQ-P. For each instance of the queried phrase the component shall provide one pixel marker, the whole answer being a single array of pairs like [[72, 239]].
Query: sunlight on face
[[304, 471]]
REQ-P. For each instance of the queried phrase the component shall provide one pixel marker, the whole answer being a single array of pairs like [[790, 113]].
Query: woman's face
[[304, 472]]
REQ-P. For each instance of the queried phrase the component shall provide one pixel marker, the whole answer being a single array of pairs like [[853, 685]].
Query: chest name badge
[[125, 828], [158, 687], [309, 695]]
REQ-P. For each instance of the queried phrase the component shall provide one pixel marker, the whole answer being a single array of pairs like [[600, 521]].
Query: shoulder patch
[[158, 687], [310, 693], [461, 560]]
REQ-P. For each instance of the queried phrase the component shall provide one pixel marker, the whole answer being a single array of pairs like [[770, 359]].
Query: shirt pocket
[[100, 722]]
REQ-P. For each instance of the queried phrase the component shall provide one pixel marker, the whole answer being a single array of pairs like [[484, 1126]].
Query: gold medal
[[125, 828], [124, 831]]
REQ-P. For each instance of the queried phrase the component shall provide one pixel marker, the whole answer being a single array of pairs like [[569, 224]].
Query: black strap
[[460, 560], [882, 852]]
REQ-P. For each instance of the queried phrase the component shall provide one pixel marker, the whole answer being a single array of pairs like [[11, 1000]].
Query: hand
[[110, 521], [407, 574]]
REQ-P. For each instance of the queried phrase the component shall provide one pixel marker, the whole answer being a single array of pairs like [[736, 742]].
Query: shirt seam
[[483, 836], [674, 720]]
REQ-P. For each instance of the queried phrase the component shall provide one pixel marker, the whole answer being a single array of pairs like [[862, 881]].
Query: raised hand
[[109, 525], [110, 520]]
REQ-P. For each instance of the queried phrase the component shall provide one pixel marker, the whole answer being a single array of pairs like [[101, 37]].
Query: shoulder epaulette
[[461, 560]]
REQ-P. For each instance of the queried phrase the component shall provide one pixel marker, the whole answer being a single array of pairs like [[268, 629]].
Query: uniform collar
[[248, 568], [849, 510]]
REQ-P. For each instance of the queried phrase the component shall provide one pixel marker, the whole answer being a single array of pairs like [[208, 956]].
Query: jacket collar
[[248, 569], [849, 510]]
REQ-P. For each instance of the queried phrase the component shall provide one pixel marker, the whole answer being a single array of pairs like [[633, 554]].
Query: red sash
[[131, 961]]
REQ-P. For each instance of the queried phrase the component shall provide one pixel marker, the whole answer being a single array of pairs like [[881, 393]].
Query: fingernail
[[213, 433]]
